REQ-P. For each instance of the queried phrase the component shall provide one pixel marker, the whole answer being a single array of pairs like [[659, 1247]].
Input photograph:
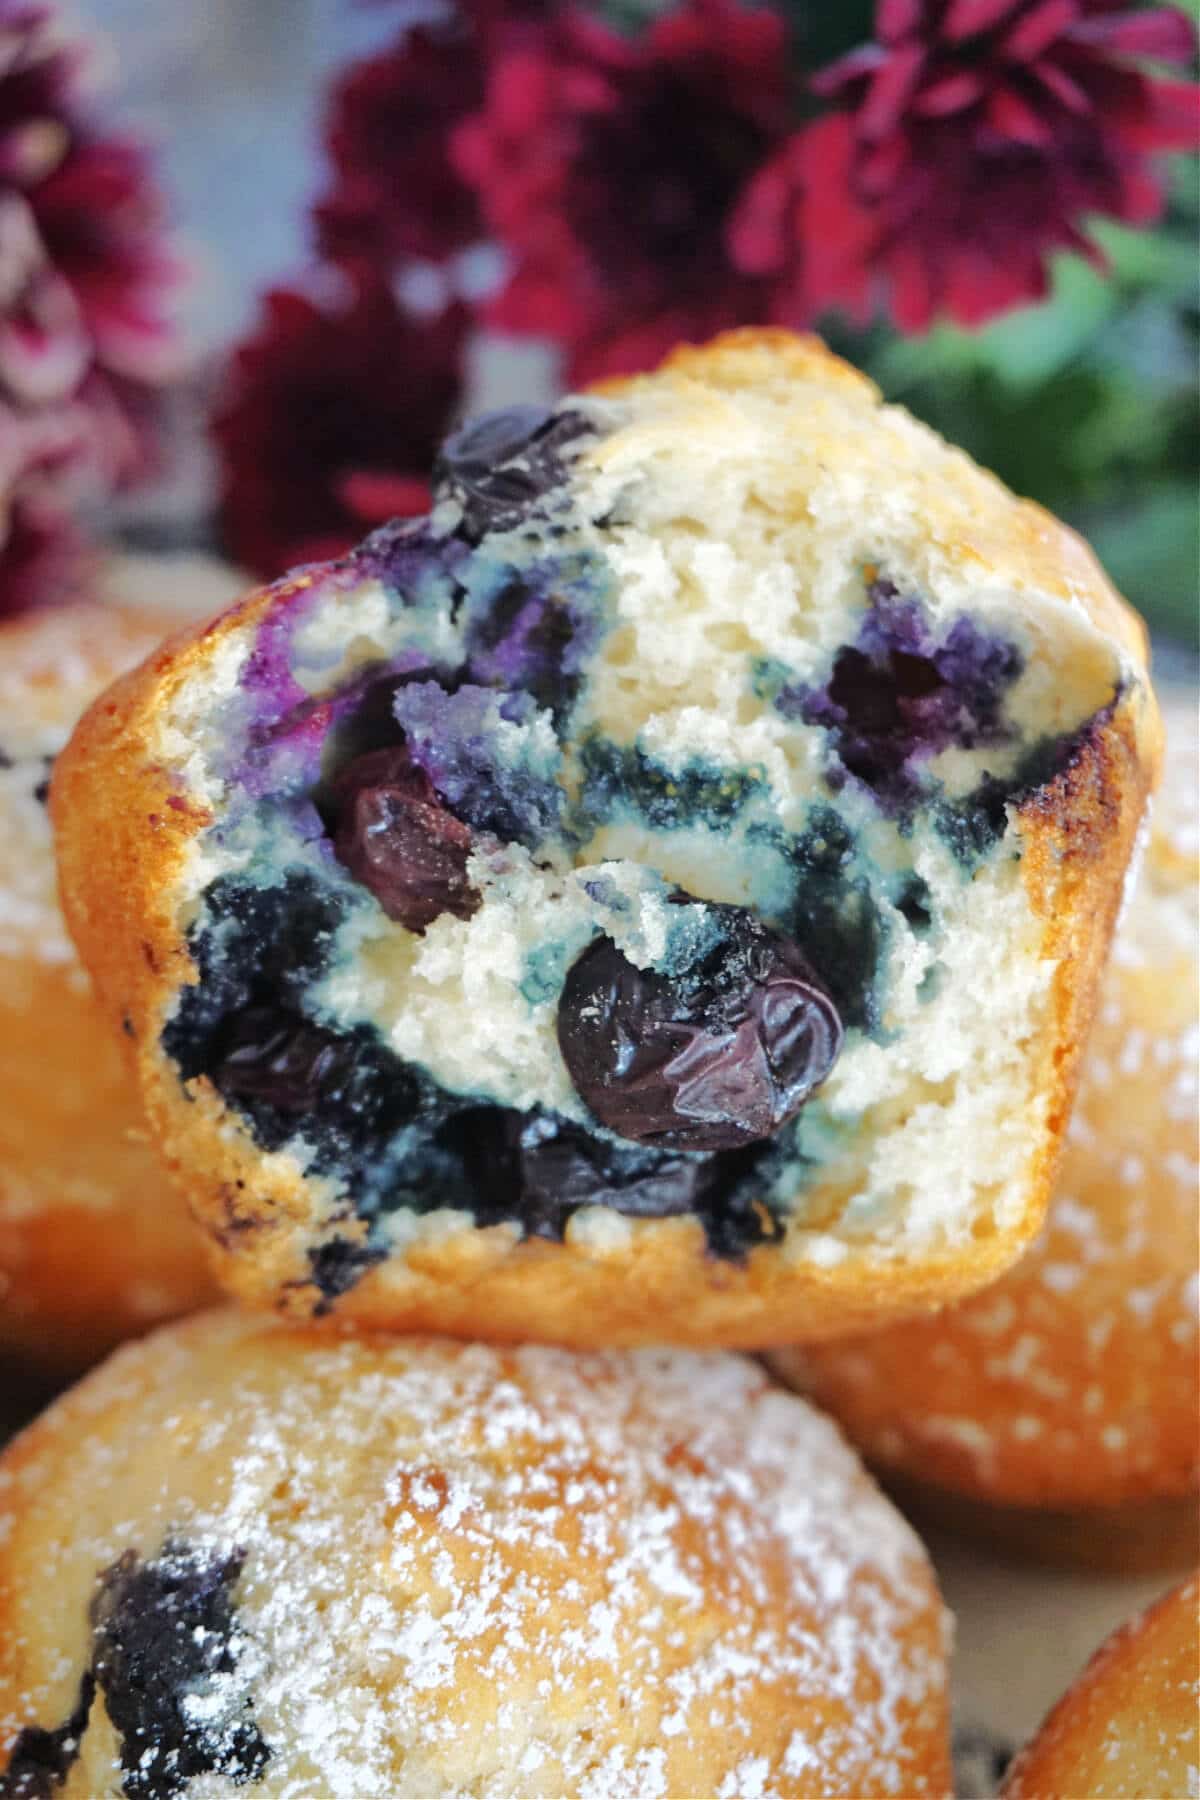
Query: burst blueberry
[[899, 696]]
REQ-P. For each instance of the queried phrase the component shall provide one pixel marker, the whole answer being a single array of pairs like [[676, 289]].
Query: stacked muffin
[[657, 898]]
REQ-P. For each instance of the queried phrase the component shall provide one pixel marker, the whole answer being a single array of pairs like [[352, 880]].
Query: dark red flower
[[987, 132], [331, 422], [395, 191], [610, 169]]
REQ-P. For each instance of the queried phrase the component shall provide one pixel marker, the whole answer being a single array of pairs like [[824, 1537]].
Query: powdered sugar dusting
[[486, 1572]]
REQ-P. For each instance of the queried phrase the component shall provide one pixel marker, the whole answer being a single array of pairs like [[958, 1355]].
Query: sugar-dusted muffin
[[282, 1561], [656, 896], [1057, 1412], [94, 1241], [1129, 1728]]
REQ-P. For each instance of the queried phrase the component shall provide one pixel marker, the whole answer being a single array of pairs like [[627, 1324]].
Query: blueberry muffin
[[1056, 1413], [250, 1557], [95, 1243], [654, 896], [1130, 1725]]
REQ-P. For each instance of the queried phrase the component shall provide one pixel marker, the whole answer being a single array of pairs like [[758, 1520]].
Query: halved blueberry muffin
[[656, 895]]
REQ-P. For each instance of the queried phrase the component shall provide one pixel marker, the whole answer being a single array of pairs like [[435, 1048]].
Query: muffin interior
[[626, 840]]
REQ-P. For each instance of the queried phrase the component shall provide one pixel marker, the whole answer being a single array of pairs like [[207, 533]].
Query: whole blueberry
[[718, 1055], [498, 465], [395, 836]]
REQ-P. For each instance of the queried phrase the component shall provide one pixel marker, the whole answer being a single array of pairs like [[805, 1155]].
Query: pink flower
[[85, 275], [802, 227]]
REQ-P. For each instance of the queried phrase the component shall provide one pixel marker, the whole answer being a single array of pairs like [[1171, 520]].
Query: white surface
[[1022, 1635]]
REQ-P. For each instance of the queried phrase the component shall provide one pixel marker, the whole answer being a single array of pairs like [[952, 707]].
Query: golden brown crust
[[472, 1571], [95, 1244], [125, 824], [1129, 1728]]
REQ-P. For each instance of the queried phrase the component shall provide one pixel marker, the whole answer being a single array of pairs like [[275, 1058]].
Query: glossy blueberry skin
[[499, 465], [714, 1057]]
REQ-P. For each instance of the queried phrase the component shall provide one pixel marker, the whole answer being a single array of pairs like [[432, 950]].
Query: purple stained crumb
[[898, 696], [532, 637], [267, 676], [406, 554], [452, 736], [284, 754]]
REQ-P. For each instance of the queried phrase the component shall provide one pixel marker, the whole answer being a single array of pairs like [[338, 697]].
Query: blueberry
[[395, 836], [539, 1169], [287, 1074], [161, 1632], [718, 1056], [900, 695], [281, 1060], [500, 464]]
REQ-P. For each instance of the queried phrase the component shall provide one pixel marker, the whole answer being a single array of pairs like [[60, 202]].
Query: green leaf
[[1151, 549]]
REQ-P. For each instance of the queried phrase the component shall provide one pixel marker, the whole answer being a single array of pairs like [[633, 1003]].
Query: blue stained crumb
[[769, 677], [912, 899], [835, 918], [545, 969], [931, 983], [693, 932], [623, 778]]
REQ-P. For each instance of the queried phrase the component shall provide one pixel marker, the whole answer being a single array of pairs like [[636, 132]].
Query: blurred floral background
[[257, 255]]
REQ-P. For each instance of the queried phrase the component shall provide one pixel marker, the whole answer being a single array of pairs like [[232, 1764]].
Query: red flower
[[396, 193], [610, 169], [801, 226], [85, 271], [331, 424], [986, 132]]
